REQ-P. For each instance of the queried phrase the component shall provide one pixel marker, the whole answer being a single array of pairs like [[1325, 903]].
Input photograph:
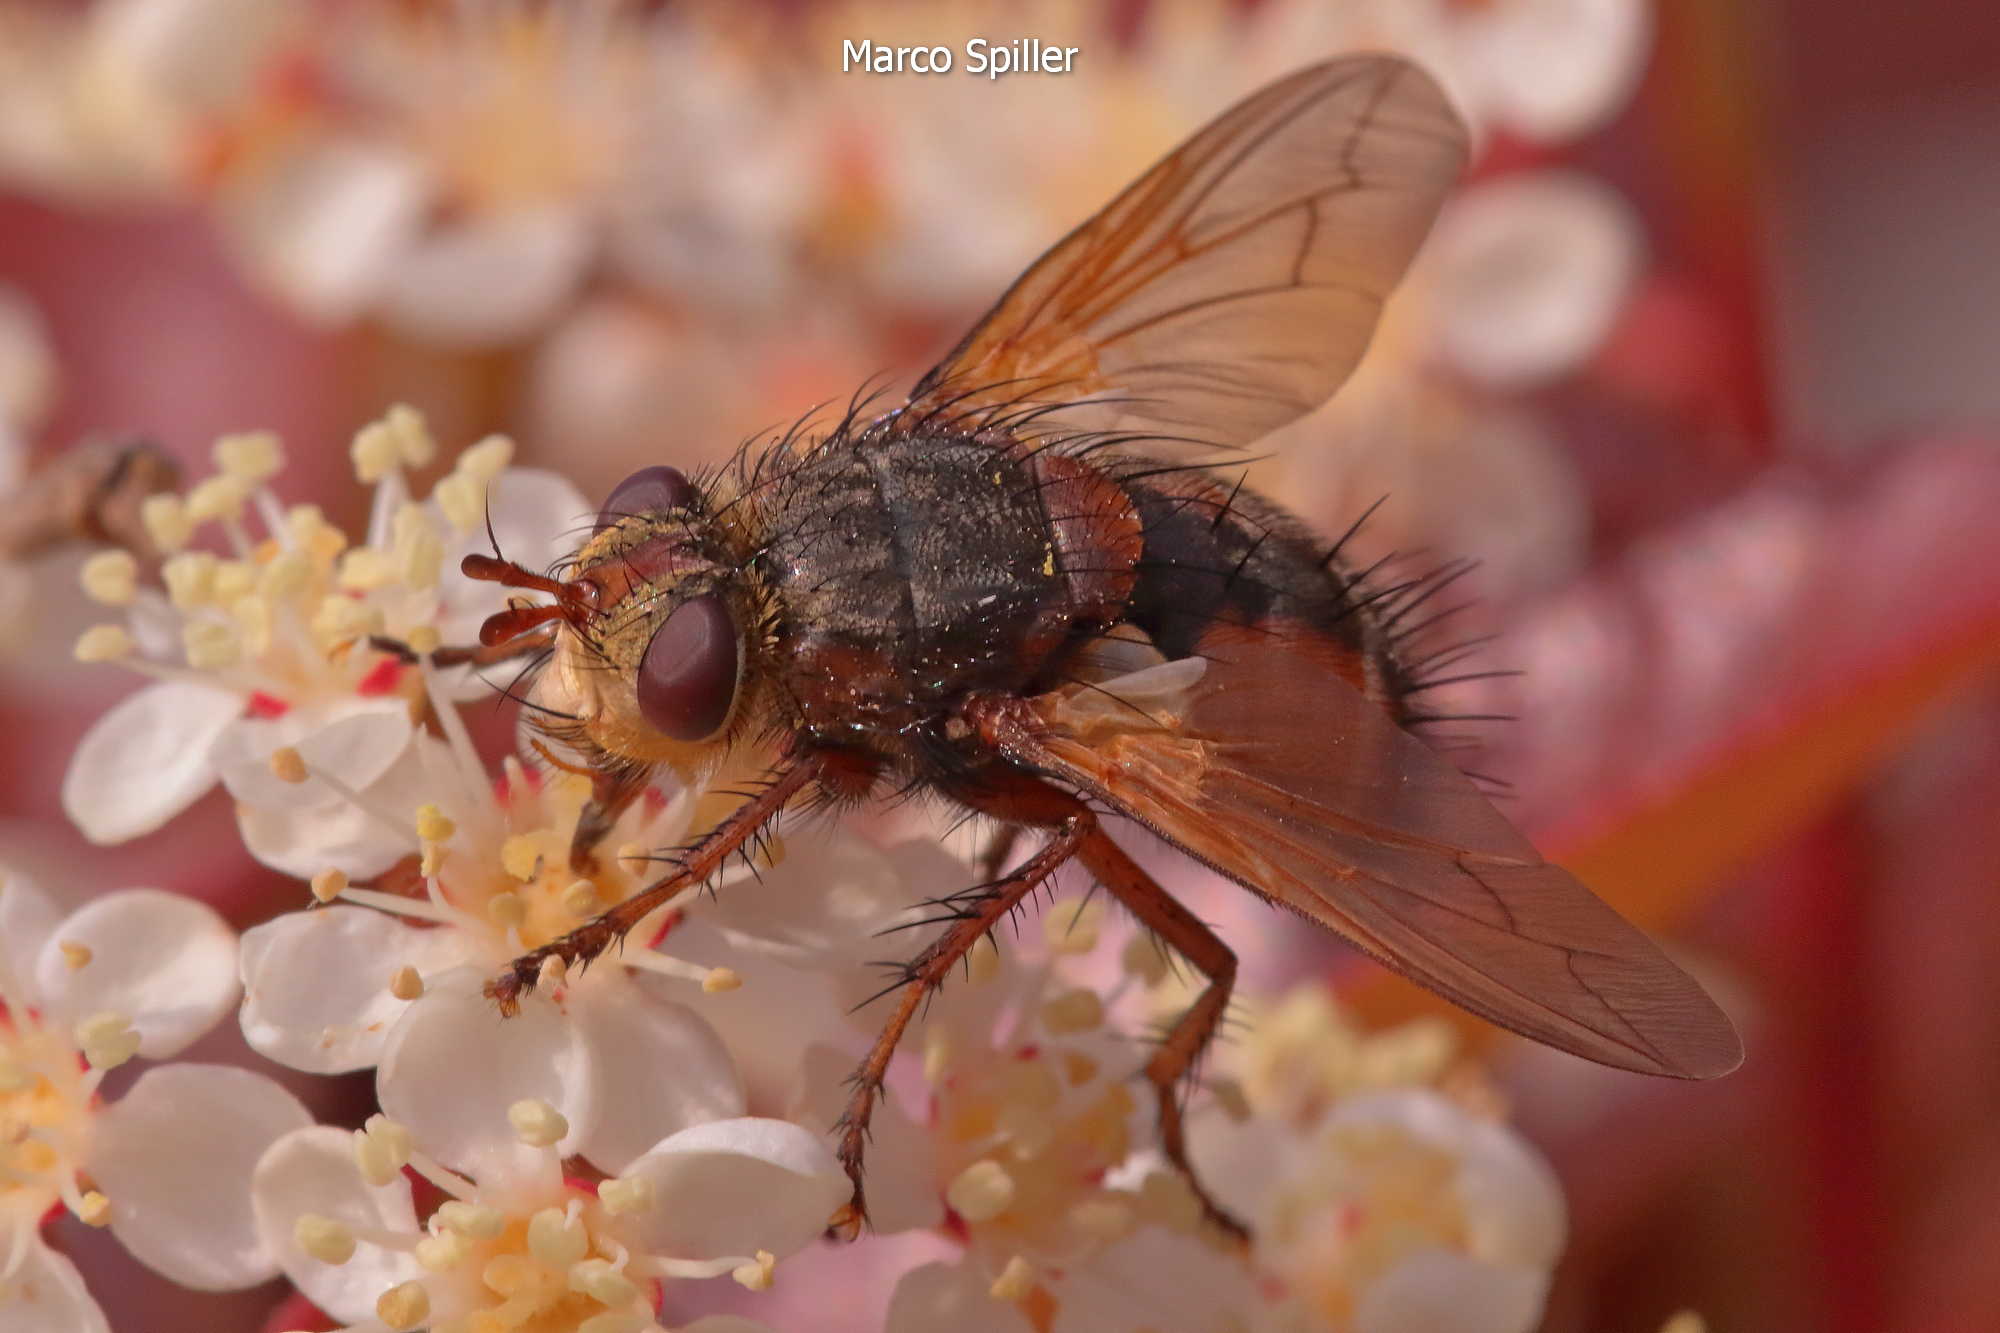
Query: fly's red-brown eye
[[687, 678], [647, 490]]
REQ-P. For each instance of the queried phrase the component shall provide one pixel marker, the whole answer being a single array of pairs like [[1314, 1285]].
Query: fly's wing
[[1270, 768], [1234, 286]]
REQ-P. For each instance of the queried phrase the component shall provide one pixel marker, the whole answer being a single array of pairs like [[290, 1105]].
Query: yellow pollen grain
[[94, 1210], [1685, 1321], [412, 435], [580, 898], [1072, 927], [318, 540], [635, 857], [374, 453], [509, 1274], [443, 1251], [190, 579], [507, 910], [477, 1220], [757, 1275], [103, 643], [111, 578], [253, 620], [404, 1306], [76, 955], [1078, 1068], [341, 617], [1016, 1280], [165, 519], [536, 1123], [1165, 1197], [218, 497], [461, 497], [521, 857], [719, 980], [233, 579], [982, 961], [107, 1040], [406, 983], [1103, 1220], [981, 1192], [323, 1238], [1144, 960], [433, 825], [552, 973], [285, 575], [557, 1240], [432, 860], [488, 458], [211, 645], [328, 885], [250, 456], [364, 569], [1073, 1011], [597, 1279], [423, 638], [937, 1055], [625, 1194], [288, 765]]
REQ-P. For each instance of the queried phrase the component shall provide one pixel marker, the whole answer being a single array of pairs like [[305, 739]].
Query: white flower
[[1549, 70], [517, 1242], [1034, 1147], [1376, 1202], [1528, 273], [266, 651], [167, 1166]]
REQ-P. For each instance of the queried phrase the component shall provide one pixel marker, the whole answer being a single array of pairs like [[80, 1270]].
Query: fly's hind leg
[[1174, 1062], [923, 974]]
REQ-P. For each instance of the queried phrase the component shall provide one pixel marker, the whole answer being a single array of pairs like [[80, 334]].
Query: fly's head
[[650, 656]]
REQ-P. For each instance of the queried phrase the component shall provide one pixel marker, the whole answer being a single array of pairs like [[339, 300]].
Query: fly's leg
[[1175, 1060], [923, 975], [697, 863]]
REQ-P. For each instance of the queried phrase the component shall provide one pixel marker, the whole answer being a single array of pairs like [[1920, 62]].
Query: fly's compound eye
[[647, 490], [687, 678]]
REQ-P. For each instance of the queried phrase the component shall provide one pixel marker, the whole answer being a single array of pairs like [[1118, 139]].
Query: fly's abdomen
[[1218, 557]]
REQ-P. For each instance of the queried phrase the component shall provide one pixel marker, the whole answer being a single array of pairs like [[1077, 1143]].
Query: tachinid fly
[[939, 598]]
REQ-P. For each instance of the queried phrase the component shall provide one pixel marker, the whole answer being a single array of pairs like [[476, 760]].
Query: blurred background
[[1700, 364]]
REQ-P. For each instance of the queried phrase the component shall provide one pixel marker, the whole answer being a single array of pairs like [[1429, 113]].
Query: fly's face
[[648, 652]]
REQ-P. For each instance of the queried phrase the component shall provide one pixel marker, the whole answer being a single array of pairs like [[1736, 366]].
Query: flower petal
[[146, 760], [324, 229], [904, 1192], [1530, 270], [452, 1066], [831, 896], [304, 841], [164, 960], [175, 1156], [489, 280], [739, 1186], [353, 740], [1552, 69], [1513, 1202], [312, 1171], [28, 919], [953, 1296], [315, 984], [1436, 1289], [1155, 1278], [46, 1295], [656, 1067]]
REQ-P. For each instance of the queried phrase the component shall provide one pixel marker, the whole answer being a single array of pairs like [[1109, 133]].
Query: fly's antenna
[[575, 600]]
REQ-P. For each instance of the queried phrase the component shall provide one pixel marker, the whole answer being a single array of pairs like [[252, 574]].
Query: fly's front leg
[[698, 862], [923, 974]]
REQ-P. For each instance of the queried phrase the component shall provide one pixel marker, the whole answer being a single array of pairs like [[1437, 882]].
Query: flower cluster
[[664, 1115]]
